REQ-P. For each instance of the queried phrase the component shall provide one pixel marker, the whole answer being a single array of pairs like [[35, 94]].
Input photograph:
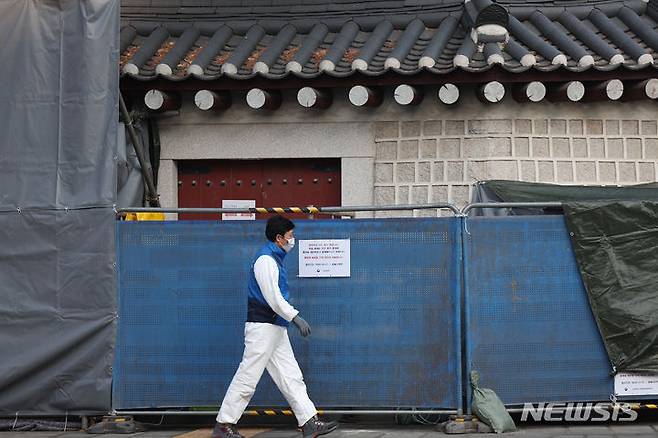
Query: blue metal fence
[[528, 326], [388, 336]]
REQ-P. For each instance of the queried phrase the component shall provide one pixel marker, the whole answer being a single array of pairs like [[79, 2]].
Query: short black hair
[[277, 225]]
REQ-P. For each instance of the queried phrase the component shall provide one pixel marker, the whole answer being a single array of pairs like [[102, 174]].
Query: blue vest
[[257, 308]]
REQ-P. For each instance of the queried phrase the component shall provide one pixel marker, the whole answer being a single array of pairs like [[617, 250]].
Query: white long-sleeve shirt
[[267, 276]]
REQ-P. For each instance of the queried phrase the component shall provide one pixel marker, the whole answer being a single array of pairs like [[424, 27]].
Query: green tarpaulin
[[519, 191], [616, 245], [614, 234]]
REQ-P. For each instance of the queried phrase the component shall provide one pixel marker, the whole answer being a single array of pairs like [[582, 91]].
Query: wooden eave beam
[[387, 79]]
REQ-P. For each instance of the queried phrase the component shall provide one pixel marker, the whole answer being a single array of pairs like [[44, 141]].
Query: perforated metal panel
[[385, 337], [530, 330]]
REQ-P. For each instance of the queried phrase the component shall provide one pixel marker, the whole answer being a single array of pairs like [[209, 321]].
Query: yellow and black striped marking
[[272, 412], [268, 412], [281, 210]]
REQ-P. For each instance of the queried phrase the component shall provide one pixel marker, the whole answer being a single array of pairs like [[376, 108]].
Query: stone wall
[[438, 160]]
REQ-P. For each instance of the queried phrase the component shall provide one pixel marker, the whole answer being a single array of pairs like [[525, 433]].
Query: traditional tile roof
[[212, 39]]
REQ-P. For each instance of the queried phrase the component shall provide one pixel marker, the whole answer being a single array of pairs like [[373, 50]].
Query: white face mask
[[290, 245]]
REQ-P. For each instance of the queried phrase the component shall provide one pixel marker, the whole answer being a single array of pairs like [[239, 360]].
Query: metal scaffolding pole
[[330, 210], [470, 207], [144, 164]]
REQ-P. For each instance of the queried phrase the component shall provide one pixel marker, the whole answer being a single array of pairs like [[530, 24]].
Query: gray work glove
[[302, 325]]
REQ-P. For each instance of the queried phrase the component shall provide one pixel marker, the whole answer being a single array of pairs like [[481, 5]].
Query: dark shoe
[[225, 431], [314, 428]]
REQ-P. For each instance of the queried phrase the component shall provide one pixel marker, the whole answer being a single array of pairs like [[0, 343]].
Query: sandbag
[[489, 408]]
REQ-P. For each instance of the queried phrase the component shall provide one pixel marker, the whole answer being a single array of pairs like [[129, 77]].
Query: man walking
[[266, 343]]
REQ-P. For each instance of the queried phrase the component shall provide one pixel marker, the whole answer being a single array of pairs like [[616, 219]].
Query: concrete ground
[[372, 431]]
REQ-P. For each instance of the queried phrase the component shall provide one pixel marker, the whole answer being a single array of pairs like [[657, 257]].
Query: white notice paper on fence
[[635, 384], [238, 203], [324, 258]]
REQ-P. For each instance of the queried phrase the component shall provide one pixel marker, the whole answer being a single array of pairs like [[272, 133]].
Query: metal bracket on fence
[[310, 209], [461, 215]]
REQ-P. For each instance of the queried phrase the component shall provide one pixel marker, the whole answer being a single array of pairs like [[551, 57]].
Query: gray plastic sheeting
[[58, 119], [130, 185]]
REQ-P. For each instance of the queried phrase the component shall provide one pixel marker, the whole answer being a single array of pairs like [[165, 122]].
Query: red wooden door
[[271, 183]]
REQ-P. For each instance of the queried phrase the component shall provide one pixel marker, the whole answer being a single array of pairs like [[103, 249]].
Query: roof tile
[[273, 15]]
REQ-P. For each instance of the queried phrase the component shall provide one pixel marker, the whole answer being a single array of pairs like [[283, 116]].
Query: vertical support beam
[[465, 313]]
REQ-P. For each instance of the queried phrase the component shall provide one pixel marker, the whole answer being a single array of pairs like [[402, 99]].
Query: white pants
[[266, 346]]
